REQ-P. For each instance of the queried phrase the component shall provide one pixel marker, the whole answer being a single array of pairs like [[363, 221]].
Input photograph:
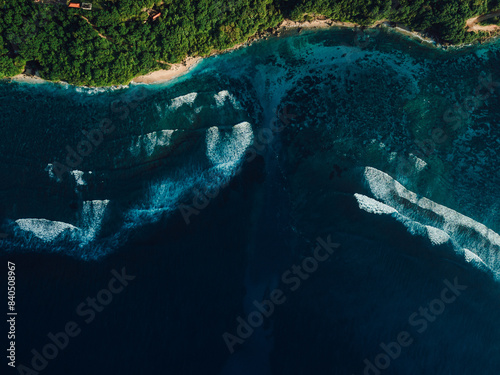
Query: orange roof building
[[156, 16], [74, 5]]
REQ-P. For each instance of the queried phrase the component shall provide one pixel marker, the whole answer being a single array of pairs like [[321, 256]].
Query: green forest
[[119, 39]]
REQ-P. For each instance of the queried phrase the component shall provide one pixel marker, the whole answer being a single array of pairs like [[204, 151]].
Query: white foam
[[148, 143], [437, 236], [463, 231], [46, 230], [228, 148], [222, 96], [225, 150], [91, 219], [372, 206], [470, 257], [78, 175], [188, 99], [98, 90], [50, 170], [385, 188], [52, 175], [163, 197], [418, 163]]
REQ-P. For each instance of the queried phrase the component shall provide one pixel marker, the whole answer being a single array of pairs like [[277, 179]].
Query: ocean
[[324, 202]]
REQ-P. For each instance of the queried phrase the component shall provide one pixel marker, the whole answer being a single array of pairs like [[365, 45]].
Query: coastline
[[326, 23], [27, 78], [179, 69], [164, 75]]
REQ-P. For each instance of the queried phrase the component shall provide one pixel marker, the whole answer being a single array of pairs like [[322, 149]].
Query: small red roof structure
[[74, 5], [156, 16]]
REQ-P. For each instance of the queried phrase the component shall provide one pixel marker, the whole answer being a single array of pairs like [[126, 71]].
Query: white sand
[[27, 78], [175, 71]]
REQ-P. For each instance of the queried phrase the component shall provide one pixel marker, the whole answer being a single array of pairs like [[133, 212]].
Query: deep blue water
[[214, 188]]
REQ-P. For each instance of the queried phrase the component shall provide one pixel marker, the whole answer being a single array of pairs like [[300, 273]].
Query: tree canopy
[[118, 39]]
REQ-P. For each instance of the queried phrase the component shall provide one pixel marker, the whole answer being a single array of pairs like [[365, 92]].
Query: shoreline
[[164, 75], [179, 69]]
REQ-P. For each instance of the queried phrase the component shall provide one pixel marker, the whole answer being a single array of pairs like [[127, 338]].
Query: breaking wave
[[424, 217], [225, 149]]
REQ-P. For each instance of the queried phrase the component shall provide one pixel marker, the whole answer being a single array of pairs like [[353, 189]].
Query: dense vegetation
[[444, 19], [118, 39]]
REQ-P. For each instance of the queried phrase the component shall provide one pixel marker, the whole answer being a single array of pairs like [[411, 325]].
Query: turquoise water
[[210, 187]]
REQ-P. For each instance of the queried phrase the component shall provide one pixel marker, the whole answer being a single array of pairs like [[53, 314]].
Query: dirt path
[[93, 27], [472, 23]]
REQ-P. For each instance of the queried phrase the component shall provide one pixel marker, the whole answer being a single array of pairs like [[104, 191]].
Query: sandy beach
[[23, 77], [325, 23], [314, 24], [177, 70], [163, 75]]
